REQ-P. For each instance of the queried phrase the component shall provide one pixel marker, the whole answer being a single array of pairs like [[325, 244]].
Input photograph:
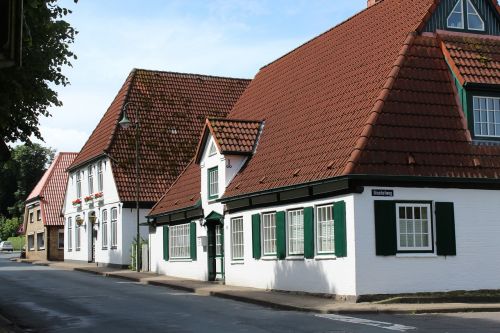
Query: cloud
[[64, 139]]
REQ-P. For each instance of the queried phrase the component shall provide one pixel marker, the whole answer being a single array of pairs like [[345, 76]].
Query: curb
[[285, 307]]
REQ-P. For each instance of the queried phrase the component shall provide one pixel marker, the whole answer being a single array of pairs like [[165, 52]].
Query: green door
[[211, 251], [215, 251]]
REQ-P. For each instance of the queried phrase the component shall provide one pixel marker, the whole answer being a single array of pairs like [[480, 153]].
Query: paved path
[[45, 299]]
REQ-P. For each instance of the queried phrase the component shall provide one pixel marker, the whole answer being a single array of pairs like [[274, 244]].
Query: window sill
[[180, 260], [104, 248], [295, 257], [269, 258], [114, 247], [416, 255], [237, 262], [325, 257], [41, 249]]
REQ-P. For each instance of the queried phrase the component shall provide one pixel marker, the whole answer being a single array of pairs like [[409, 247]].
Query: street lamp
[[126, 123]]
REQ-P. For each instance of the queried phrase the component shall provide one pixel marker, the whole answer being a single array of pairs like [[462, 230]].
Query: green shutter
[[385, 228], [256, 236], [280, 235], [165, 242], [445, 229], [192, 235], [309, 232], [340, 229]]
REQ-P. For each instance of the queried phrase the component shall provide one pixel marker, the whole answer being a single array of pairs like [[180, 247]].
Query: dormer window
[[474, 20], [486, 116], [213, 183], [456, 19]]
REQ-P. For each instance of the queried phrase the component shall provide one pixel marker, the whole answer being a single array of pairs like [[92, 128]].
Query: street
[[43, 299]]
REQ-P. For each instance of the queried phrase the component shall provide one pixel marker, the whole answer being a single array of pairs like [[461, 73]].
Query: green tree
[[9, 227], [20, 175], [25, 92]]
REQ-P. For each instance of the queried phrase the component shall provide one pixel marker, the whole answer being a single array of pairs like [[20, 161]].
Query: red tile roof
[[370, 96], [232, 136], [184, 193], [317, 99], [473, 58], [51, 189], [172, 109]]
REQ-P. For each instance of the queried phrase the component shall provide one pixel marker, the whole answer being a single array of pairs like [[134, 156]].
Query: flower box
[[77, 203], [99, 196], [88, 199]]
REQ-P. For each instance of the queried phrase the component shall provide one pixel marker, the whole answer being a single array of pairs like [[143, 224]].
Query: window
[[212, 151], [179, 242], [70, 229], [269, 234], [31, 242], [414, 228], [31, 217], [486, 116], [100, 179], [218, 240], [213, 183], [456, 17], [60, 239], [295, 228], [237, 248], [104, 232], [325, 230], [77, 234], [114, 227], [78, 184], [90, 171], [474, 20], [38, 215], [40, 241]]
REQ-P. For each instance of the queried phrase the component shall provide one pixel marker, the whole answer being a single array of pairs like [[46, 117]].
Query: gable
[[485, 8]]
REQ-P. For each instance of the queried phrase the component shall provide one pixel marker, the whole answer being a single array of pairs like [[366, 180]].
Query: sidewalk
[[278, 300]]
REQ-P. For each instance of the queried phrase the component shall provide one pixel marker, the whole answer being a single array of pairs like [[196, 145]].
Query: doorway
[[215, 250]]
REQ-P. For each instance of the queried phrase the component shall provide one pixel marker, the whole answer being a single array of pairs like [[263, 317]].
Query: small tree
[[9, 227]]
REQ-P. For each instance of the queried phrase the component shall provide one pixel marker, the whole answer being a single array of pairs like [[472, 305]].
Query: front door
[[215, 251], [94, 239]]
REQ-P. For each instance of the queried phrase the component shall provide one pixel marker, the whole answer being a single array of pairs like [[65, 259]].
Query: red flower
[[76, 202]]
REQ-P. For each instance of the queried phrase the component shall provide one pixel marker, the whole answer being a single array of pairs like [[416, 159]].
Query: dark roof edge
[[424, 180], [88, 161], [180, 210]]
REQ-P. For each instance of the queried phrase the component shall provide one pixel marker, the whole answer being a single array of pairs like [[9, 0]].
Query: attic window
[[474, 20], [212, 151], [456, 18]]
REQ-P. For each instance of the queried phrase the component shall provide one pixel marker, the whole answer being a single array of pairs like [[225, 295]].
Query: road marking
[[127, 282], [361, 321]]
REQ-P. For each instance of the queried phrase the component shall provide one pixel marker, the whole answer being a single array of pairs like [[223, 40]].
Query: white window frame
[[31, 247], [179, 241], [324, 219], [114, 228], [453, 12], [212, 150], [90, 179], [218, 240], [430, 228], [70, 230], [268, 231], [78, 240], [104, 232], [475, 14], [59, 233], [477, 111], [100, 176], [237, 239], [213, 183], [38, 214], [38, 246], [293, 228], [79, 184]]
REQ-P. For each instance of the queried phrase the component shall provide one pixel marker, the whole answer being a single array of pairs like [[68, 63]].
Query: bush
[[17, 242], [9, 227]]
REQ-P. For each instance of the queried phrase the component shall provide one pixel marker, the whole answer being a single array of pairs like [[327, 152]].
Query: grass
[[17, 242]]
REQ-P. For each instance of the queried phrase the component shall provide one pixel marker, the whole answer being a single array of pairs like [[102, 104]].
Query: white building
[[373, 166], [99, 209]]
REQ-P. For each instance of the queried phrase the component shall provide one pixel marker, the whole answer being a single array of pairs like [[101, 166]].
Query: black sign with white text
[[382, 193]]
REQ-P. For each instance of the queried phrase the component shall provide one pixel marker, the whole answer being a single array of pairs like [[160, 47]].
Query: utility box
[[202, 241]]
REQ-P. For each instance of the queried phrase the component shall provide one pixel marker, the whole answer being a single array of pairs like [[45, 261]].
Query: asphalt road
[[43, 299]]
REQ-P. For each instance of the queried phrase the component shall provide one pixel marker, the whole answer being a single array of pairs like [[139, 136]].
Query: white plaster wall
[[185, 268], [476, 266], [320, 275]]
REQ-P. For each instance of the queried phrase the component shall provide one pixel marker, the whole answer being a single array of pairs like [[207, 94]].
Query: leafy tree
[[25, 92], [20, 175], [9, 227]]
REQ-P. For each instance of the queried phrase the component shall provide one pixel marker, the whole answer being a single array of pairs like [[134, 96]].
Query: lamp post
[[126, 123]]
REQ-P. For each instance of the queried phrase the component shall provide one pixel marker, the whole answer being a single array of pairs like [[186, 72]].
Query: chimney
[[372, 2]]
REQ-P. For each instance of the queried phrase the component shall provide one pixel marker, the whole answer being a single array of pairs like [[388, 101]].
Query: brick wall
[[55, 253], [35, 226]]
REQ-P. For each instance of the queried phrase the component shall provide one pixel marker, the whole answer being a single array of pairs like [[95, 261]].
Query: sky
[[233, 38]]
